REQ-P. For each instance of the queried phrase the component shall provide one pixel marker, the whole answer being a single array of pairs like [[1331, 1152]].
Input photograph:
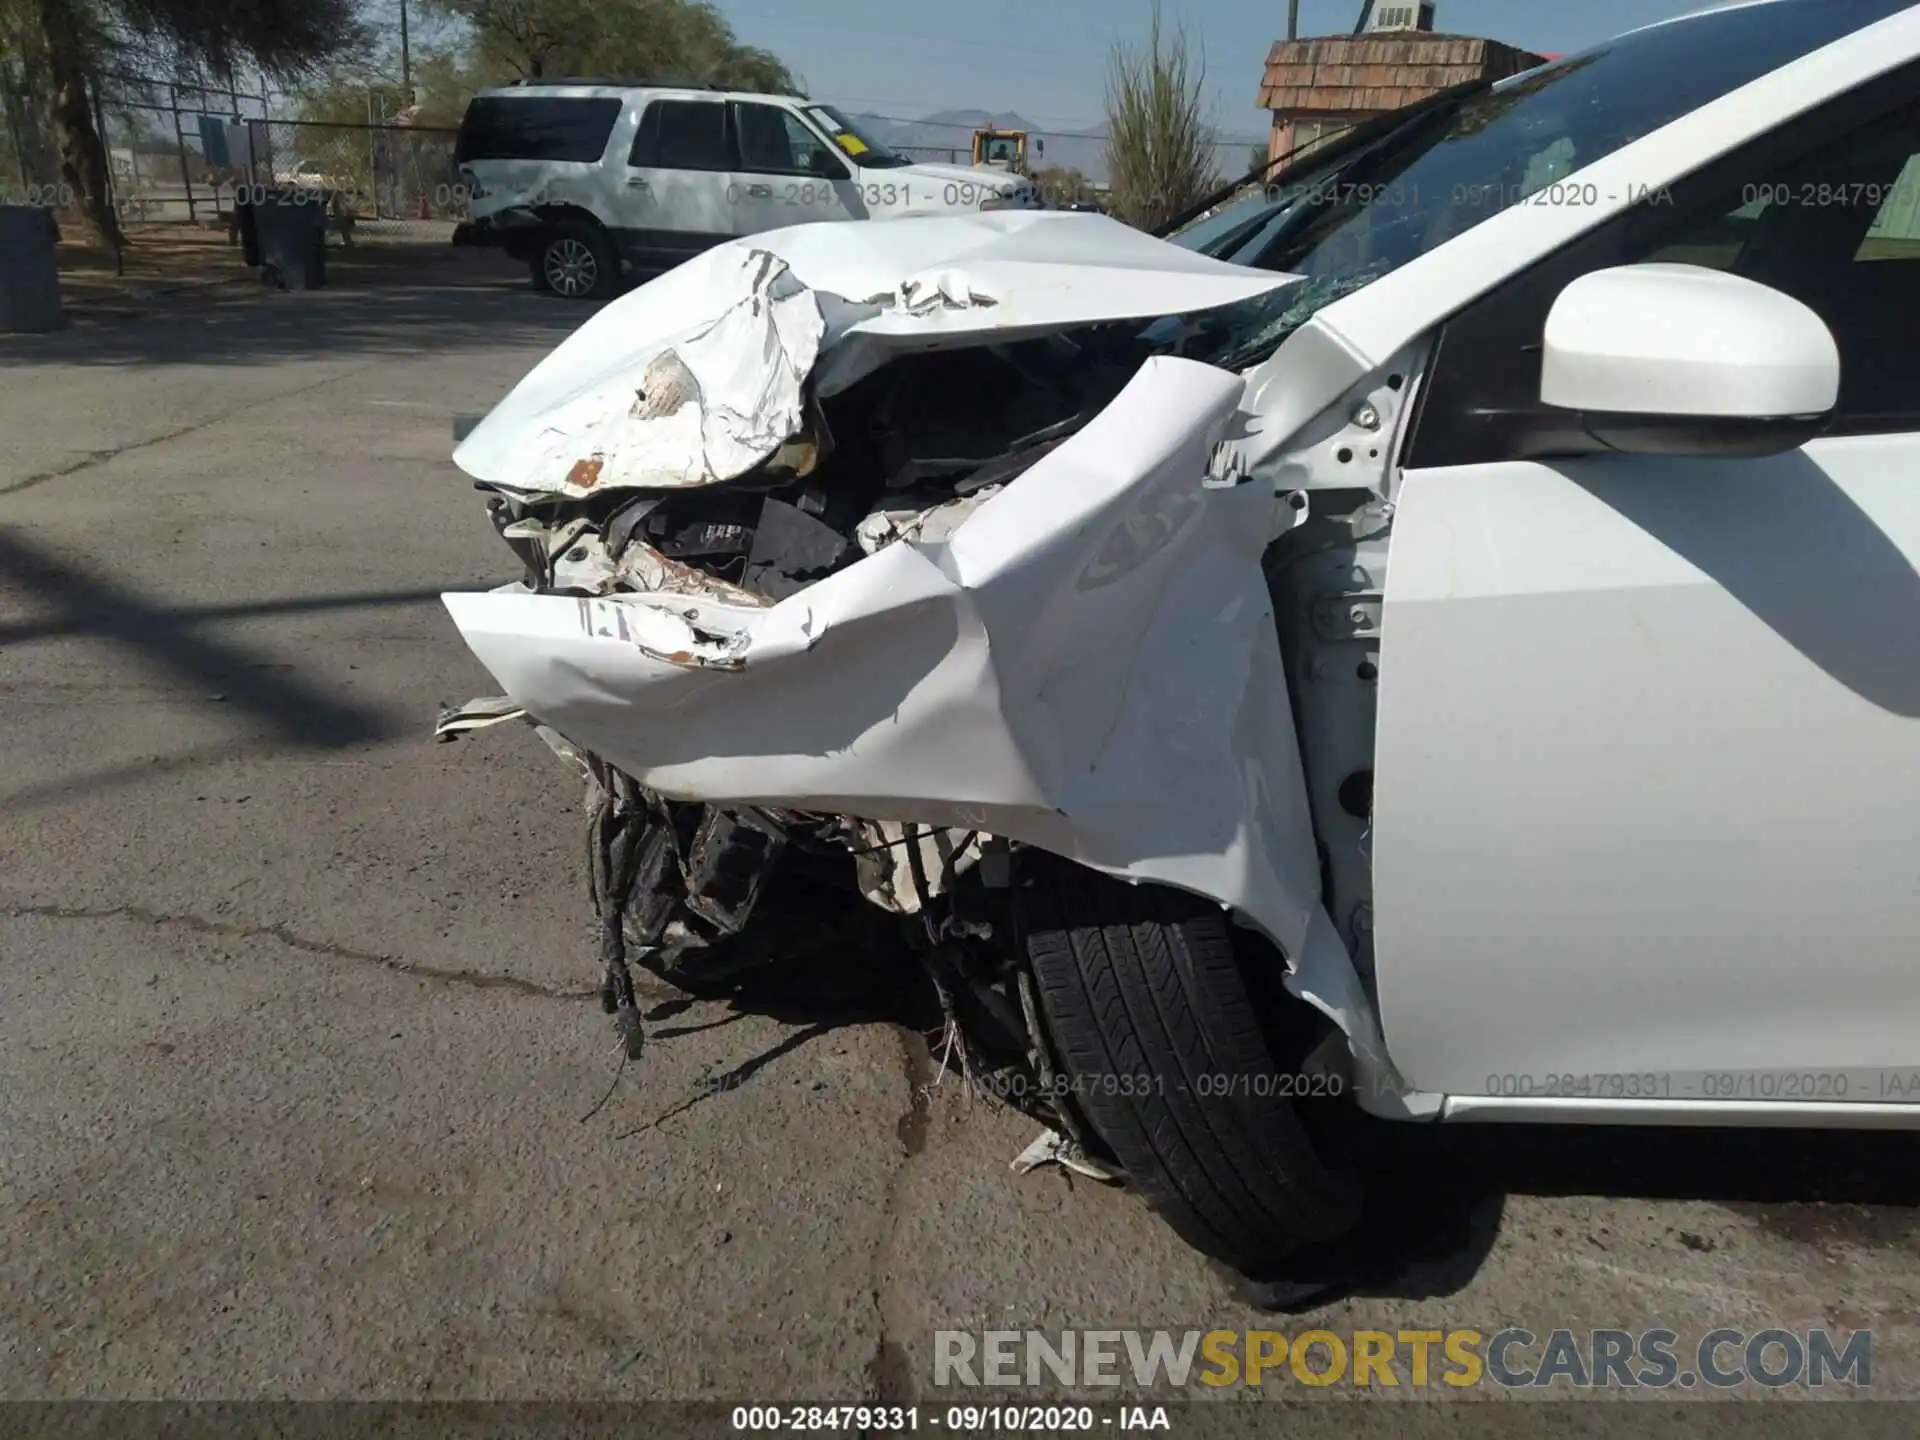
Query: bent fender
[[1087, 663]]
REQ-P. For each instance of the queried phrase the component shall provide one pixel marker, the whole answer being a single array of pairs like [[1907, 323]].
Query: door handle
[[760, 192], [636, 183]]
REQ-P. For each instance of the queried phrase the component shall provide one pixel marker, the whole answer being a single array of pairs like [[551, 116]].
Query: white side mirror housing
[[1682, 359]]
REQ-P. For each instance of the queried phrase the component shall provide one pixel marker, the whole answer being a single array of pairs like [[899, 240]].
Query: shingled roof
[[1361, 74]]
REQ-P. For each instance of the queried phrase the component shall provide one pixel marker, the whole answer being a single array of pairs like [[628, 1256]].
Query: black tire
[[576, 260], [1143, 997]]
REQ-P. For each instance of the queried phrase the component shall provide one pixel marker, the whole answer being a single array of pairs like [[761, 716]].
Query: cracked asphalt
[[301, 1069]]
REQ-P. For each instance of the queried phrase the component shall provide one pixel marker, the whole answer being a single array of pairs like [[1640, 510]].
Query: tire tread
[[1144, 981]]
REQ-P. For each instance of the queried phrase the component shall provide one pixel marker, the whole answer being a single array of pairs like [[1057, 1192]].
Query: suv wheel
[[576, 261], [1152, 1020]]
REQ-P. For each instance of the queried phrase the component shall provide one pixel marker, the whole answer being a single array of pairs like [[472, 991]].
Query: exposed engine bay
[[961, 663], [906, 453]]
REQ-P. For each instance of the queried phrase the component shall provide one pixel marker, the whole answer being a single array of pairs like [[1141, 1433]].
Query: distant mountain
[[976, 119], [947, 135]]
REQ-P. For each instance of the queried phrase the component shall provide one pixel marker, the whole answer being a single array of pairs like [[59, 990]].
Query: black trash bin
[[291, 226], [29, 273], [249, 228]]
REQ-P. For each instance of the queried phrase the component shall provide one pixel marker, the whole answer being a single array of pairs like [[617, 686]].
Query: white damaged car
[[1442, 639]]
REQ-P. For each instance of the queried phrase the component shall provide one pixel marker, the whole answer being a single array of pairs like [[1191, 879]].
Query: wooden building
[[1319, 86]]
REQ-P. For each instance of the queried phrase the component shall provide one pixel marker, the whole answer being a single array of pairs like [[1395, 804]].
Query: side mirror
[[1683, 360]]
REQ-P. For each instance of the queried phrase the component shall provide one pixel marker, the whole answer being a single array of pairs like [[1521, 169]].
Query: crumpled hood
[[702, 374], [1086, 662]]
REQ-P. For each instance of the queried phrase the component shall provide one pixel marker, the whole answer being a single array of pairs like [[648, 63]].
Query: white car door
[[784, 174], [677, 180], [1647, 800]]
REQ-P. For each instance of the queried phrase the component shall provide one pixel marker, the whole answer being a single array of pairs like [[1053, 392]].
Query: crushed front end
[[843, 592]]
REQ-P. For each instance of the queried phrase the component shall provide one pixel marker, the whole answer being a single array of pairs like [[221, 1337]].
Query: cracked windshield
[[1403, 186]]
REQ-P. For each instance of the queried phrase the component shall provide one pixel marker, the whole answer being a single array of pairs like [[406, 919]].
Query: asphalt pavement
[[303, 1086]]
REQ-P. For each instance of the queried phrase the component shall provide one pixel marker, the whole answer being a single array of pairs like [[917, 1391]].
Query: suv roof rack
[[622, 81]]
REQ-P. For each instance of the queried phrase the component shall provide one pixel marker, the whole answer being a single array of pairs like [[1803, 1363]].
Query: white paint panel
[[1648, 784]]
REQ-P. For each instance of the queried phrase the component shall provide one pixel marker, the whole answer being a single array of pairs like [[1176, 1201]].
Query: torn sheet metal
[[1050, 1147], [701, 374], [641, 567], [930, 525], [715, 400], [1089, 664], [457, 720], [565, 749], [885, 865]]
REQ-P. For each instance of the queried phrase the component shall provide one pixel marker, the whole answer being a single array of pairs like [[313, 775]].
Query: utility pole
[[406, 59], [1293, 19]]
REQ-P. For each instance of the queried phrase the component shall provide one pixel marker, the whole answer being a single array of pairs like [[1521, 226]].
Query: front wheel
[[576, 260], [1167, 1058]]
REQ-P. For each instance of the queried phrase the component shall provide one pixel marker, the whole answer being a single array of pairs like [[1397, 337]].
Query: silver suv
[[584, 178]]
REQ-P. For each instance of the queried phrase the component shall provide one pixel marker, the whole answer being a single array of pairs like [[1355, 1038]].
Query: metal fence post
[[133, 165], [180, 139], [373, 157], [266, 137]]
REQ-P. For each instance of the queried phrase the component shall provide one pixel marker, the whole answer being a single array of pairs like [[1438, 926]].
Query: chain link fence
[[389, 182], [184, 153]]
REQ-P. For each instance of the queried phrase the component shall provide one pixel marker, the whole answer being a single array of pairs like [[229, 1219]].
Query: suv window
[[1826, 209], [773, 141], [684, 135], [536, 127]]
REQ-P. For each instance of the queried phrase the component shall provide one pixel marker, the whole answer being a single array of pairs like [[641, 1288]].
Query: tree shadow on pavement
[[76, 618], [234, 325], [78, 601], [86, 601]]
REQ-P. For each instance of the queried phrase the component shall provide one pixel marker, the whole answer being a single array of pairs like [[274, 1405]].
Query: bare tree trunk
[[83, 156]]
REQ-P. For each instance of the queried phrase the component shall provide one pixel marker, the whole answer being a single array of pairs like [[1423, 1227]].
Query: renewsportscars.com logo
[[1511, 1359]]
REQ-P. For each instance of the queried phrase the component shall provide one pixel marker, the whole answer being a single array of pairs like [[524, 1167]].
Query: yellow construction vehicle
[[1005, 150]]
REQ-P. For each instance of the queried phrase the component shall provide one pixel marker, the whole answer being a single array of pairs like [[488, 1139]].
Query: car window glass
[[773, 140], [1220, 229], [693, 135], [646, 138], [1453, 168], [1825, 209], [853, 142], [1839, 230], [535, 127]]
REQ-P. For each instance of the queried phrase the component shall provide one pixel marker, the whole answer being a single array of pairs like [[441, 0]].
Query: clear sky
[[1046, 59]]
